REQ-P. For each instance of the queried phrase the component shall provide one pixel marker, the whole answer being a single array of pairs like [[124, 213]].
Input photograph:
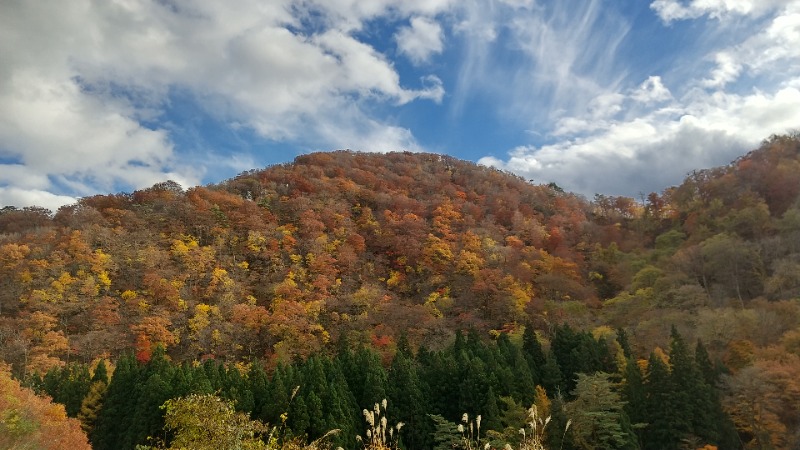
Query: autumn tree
[[209, 422], [30, 421]]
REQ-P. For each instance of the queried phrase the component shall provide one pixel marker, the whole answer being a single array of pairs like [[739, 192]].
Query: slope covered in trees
[[280, 264]]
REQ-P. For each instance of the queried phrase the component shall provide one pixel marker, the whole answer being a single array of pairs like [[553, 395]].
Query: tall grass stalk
[[380, 435]]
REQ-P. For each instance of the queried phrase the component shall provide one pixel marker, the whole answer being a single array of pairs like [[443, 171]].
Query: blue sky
[[618, 97]]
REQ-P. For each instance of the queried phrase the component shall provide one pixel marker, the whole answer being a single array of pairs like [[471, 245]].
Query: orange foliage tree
[[28, 421]]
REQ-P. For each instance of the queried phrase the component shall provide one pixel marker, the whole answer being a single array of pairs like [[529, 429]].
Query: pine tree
[[299, 421], [445, 435], [634, 395], [403, 346], [237, 390], [258, 385], [683, 378], [473, 387], [556, 436], [68, 386], [181, 380], [113, 419], [341, 409], [277, 397], [704, 365], [574, 355], [199, 383], [459, 345], [523, 380], [91, 405], [407, 402], [317, 426], [314, 378], [666, 426], [491, 411], [598, 418], [622, 339], [721, 430], [147, 418], [695, 396], [532, 349], [551, 376], [100, 372], [441, 379], [373, 383]]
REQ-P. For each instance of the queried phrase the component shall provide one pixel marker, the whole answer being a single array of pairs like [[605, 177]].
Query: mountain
[[286, 258], [281, 263]]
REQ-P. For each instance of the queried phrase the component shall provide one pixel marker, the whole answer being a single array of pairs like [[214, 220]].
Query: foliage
[[598, 416], [264, 274], [29, 421]]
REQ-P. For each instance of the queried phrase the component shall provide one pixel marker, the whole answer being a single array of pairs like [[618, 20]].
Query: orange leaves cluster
[[29, 421]]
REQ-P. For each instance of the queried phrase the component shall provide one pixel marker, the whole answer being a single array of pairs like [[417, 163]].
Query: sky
[[618, 97]]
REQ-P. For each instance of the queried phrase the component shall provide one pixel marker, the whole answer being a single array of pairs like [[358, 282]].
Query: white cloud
[[82, 83], [671, 10], [14, 196], [775, 49], [84, 86], [421, 40], [349, 15], [656, 150], [652, 91], [623, 141], [728, 69]]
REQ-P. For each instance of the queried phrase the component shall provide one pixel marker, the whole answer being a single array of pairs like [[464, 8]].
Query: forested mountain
[[277, 263], [338, 253]]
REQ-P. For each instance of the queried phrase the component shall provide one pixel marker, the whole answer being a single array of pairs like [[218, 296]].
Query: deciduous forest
[[460, 303]]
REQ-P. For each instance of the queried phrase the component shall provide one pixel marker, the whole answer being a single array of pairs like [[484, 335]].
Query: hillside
[[281, 263], [286, 258]]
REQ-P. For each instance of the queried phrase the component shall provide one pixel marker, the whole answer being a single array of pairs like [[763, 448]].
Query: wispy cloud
[[539, 63], [625, 140]]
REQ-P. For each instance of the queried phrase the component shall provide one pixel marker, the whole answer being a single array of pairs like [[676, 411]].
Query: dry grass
[[380, 435], [533, 434]]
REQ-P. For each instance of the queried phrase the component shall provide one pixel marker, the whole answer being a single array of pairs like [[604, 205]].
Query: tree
[[634, 395], [207, 422], [445, 434], [367, 378], [113, 420], [407, 401], [30, 421], [68, 386], [532, 349], [551, 375], [91, 405], [259, 385], [667, 421], [598, 417], [733, 266], [695, 397]]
